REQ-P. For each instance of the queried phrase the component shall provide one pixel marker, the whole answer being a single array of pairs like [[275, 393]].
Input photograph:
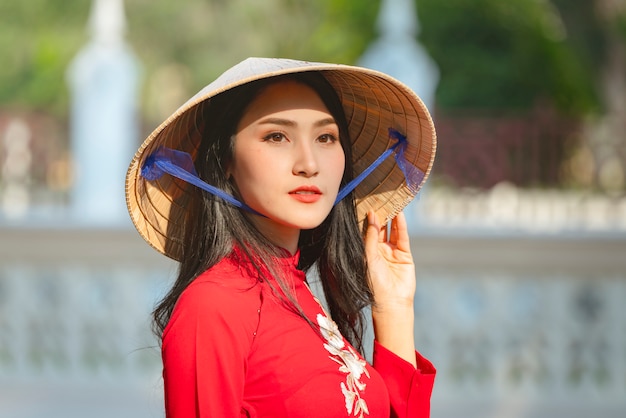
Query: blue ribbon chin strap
[[413, 175], [180, 165]]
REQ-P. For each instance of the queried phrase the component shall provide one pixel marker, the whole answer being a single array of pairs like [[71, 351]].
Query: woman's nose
[[305, 161]]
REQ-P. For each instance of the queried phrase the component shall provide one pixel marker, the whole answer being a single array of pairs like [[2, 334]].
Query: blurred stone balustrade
[[75, 335], [533, 323], [506, 209]]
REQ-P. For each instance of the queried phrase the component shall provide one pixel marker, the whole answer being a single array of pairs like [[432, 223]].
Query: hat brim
[[373, 102]]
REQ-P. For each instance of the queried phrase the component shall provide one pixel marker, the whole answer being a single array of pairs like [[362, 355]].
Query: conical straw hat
[[373, 102]]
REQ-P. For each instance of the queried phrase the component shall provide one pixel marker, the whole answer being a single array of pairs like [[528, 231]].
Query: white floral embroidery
[[349, 362]]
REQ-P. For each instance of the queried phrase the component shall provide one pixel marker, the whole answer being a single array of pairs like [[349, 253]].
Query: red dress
[[232, 349]]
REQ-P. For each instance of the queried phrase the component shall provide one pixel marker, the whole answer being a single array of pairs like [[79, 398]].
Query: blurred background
[[519, 237]]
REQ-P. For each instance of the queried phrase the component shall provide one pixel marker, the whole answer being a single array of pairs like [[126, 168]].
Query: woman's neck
[[282, 236]]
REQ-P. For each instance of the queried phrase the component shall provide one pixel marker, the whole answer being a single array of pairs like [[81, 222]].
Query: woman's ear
[[228, 172], [228, 161]]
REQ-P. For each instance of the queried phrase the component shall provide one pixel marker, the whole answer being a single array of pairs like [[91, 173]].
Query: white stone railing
[[518, 325], [511, 209], [535, 324], [74, 323]]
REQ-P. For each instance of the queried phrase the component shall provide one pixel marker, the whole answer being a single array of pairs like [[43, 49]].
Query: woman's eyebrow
[[289, 122], [324, 122], [277, 121]]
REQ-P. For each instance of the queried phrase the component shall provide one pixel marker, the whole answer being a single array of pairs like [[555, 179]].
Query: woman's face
[[287, 161]]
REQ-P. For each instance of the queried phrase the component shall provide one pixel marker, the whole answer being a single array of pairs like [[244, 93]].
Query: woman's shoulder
[[222, 284], [220, 295], [228, 273]]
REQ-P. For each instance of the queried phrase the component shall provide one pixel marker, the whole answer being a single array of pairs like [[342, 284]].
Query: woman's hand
[[392, 280], [391, 268]]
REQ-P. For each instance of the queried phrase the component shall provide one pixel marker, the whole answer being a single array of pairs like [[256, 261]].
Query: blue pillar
[[103, 80]]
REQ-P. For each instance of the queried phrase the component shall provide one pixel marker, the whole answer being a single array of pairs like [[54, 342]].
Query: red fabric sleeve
[[205, 346], [409, 388]]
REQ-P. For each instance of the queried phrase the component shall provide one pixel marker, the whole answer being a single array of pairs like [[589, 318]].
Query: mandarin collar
[[285, 259]]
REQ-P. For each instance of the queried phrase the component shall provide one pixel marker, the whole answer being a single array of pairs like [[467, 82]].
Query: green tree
[[492, 54], [39, 38], [510, 54]]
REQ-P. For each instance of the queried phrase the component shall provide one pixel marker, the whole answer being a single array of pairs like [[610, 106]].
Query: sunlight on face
[[288, 161]]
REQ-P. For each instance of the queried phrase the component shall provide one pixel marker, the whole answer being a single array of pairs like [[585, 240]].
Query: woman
[[277, 168]]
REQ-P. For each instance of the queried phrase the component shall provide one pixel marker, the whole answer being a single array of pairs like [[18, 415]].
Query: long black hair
[[212, 226]]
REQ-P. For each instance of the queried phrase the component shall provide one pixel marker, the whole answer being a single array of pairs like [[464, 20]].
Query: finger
[[401, 231], [382, 236], [393, 233], [381, 230], [372, 233]]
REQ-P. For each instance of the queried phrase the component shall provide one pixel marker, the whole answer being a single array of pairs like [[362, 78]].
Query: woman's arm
[[409, 376], [409, 388]]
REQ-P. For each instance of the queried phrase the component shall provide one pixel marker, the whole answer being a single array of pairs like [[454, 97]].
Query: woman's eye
[[327, 138], [275, 137]]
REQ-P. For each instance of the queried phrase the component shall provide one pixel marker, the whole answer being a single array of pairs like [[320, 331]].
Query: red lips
[[306, 194]]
